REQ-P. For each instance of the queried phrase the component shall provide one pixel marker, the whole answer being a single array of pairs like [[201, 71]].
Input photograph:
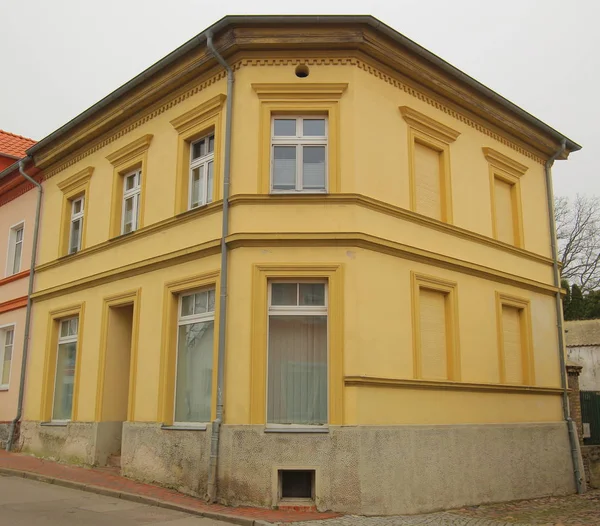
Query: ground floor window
[[297, 353], [195, 344], [66, 357]]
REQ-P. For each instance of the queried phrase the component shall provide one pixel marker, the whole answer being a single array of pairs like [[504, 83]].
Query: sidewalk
[[107, 483]]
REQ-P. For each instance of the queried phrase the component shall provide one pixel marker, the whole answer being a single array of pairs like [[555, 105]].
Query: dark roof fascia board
[[371, 21]]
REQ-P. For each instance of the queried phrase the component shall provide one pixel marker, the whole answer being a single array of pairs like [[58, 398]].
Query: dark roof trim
[[308, 19]]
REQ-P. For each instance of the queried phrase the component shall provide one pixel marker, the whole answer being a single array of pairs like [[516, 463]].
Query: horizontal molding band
[[375, 381], [14, 304], [14, 277], [299, 239], [391, 210]]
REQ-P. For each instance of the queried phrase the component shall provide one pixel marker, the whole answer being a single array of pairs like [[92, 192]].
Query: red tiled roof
[[14, 145]]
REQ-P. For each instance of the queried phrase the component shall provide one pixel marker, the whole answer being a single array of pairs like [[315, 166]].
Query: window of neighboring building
[[76, 227], [15, 249], [7, 337], [299, 154], [202, 160], [194, 366], [132, 184], [65, 369], [297, 382]]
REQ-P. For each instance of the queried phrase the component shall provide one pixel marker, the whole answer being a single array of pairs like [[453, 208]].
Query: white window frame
[[76, 217], [134, 193], [62, 340], [299, 141], [3, 330], [201, 162], [12, 248], [297, 310], [188, 320]]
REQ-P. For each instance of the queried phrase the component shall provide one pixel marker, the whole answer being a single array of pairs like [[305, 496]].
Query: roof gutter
[[13, 424], [228, 21]]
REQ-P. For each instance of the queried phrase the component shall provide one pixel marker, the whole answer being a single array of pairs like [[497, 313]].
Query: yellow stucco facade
[[365, 237]]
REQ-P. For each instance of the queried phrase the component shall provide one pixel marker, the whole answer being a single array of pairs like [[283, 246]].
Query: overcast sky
[[58, 57]]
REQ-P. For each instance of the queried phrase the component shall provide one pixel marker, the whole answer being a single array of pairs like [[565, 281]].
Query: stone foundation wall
[[4, 427], [591, 459]]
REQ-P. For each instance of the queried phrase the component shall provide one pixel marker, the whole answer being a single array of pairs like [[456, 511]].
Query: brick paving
[[108, 482], [430, 519]]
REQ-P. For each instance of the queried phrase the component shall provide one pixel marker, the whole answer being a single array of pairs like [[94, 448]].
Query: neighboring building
[[17, 213], [583, 348], [391, 342]]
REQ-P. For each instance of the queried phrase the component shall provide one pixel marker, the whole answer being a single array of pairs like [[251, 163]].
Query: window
[[202, 160], [429, 165], [7, 337], [505, 174], [435, 331], [15, 249], [514, 340], [132, 184], [299, 154], [194, 367], [65, 369], [76, 225], [297, 363]]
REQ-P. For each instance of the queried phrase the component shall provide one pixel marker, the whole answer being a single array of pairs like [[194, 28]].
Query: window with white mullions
[[202, 160], [66, 356], [76, 229], [132, 184], [7, 337], [297, 377], [299, 154], [195, 338], [15, 249]]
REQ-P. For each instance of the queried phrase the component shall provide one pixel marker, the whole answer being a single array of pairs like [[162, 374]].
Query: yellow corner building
[[303, 260]]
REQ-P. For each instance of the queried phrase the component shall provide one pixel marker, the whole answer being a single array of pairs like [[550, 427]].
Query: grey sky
[[59, 57]]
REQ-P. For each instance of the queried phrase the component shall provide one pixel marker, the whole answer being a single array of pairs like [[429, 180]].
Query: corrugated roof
[[13, 145], [579, 333]]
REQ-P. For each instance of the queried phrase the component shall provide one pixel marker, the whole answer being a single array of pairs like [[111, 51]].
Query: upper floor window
[[132, 185], [195, 342], [202, 160], [76, 227], [299, 154], [7, 336], [15, 249]]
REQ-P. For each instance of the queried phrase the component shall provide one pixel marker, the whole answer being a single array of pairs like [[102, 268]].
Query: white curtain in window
[[194, 372], [297, 370], [284, 167], [65, 376], [313, 169]]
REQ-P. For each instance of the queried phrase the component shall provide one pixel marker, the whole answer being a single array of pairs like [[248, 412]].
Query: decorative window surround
[[509, 171], [129, 158], [191, 126], [437, 136], [75, 187], [299, 99]]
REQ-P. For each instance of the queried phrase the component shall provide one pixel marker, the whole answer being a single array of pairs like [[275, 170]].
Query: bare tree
[[578, 233]]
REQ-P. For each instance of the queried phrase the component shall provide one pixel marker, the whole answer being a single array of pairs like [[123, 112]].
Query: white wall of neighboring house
[[589, 358]]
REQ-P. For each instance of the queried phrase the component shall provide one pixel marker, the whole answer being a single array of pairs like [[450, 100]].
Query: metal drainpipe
[[211, 491], [13, 424], [573, 441]]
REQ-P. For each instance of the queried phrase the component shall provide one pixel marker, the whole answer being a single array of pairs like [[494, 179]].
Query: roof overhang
[[364, 34]]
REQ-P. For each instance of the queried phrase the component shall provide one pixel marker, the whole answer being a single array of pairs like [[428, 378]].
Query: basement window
[[297, 484]]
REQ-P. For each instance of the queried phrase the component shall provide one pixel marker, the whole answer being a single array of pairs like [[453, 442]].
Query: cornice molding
[[198, 114], [501, 161], [14, 304], [409, 383], [14, 277], [78, 179], [131, 150], [300, 91], [425, 124]]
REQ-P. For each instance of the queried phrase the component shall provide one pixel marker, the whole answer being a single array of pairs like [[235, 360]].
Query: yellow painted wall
[[377, 328]]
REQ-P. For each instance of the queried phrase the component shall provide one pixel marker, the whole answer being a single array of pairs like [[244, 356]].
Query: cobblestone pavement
[[573, 510]]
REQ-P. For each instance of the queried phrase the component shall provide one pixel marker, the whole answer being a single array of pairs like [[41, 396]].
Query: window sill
[[189, 427], [291, 428], [4, 387], [298, 192], [55, 423]]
